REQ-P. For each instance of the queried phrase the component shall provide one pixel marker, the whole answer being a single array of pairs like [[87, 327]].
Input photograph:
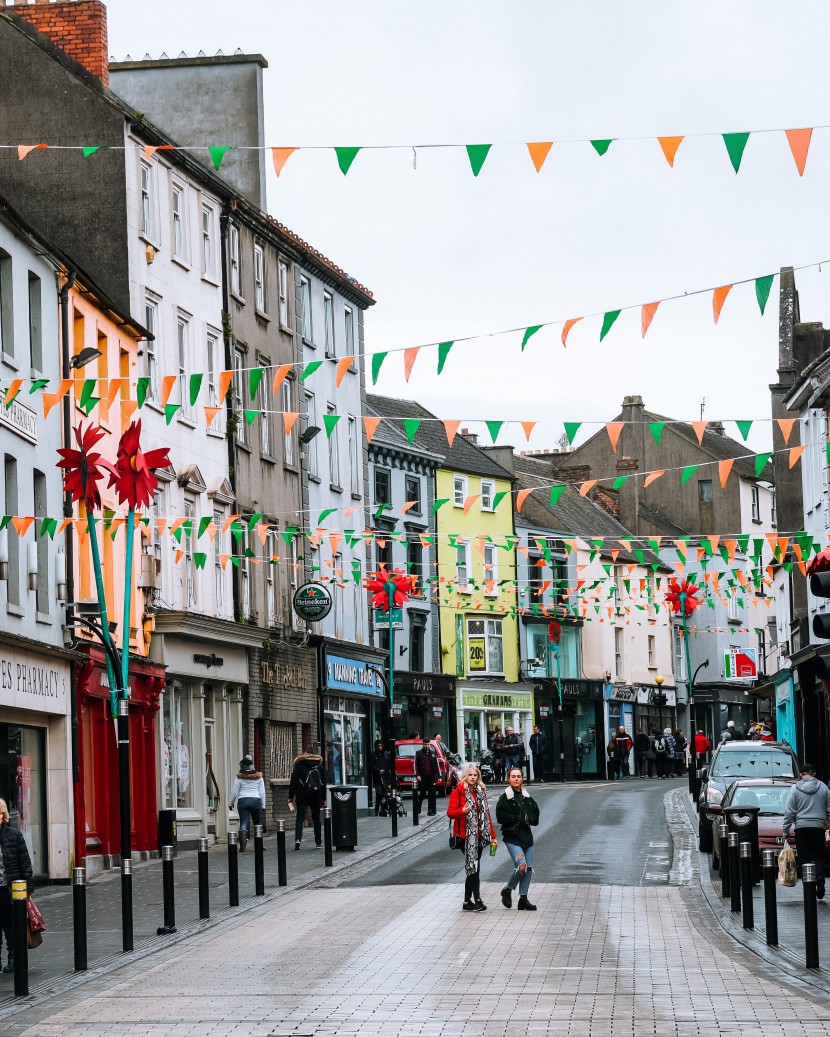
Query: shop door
[[552, 765]]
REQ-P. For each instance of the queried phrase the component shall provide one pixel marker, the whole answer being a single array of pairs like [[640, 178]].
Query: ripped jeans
[[517, 878]]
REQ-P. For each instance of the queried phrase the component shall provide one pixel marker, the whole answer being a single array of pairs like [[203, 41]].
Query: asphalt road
[[609, 833]]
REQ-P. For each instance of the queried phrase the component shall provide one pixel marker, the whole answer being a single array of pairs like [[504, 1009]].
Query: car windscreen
[[407, 751], [753, 763], [771, 800]]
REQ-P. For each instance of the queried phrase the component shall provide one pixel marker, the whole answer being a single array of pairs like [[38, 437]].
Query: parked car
[[770, 795], [405, 750], [733, 761]]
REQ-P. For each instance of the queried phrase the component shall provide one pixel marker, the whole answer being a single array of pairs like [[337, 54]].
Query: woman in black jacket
[[15, 864], [516, 812], [307, 792]]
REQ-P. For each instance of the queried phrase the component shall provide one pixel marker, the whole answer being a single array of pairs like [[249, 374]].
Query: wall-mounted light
[[4, 554], [150, 253], [86, 356], [309, 433], [60, 574], [31, 565]]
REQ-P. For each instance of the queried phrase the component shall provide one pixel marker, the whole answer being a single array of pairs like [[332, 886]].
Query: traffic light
[[820, 588]]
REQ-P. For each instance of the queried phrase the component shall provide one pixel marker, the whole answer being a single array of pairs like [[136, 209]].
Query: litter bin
[[344, 816], [744, 821], [167, 829]]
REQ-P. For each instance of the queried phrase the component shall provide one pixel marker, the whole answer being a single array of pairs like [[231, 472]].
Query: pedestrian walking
[[680, 745], [248, 795], [383, 773], [611, 753], [513, 750], [732, 733], [652, 756], [471, 820], [623, 752], [808, 811], [307, 793], [671, 750], [702, 745], [15, 864], [497, 749], [642, 745], [538, 751], [517, 812], [661, 751], [426, 775]]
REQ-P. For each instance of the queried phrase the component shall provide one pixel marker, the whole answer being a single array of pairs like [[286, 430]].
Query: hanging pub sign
[[312, 602]]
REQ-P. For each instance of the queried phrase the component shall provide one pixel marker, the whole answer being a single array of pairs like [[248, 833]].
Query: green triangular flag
[[330, 420], [324, 514], [735, 144], [381, 509], [618, 482], [38, 383], [90, 151], [141, 388], [761, 463], [743, 542], [170, 411], [250, 416], [499, 498], [440, 503], [743, 428], [410, 427], [288, 535], [254, 521], [48, 526], [762, 290], [555, 493], [494, 427], [195, 386], [199, 559], [443, 352], [571, 429], [608, 322], [477, 153], [688, 472], [345, 157], [309, 369], [530, 332], [86, 393], [601, 146], [656, 429], [216, 155], [377, 363], [204, 522], [254, 380]]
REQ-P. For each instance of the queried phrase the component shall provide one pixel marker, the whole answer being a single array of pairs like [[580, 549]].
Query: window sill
[[286, 329], [314, 478], [309, 343], [44, 618], [187, 420], [145, 237], [268, 457], [243, 446], [756, 522], [181, 263], [263, 316], [357, 496], [334, 488], [15, 610], [9, 360], [237, 297], [211, 279], [215, 433]]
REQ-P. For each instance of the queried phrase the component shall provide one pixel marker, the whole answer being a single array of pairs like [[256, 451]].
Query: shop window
[[23, 786], [485, 646], [280, 750], [176, 748], [345, 758]]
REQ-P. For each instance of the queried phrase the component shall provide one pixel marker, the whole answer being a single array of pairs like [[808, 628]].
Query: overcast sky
[[447, 255]]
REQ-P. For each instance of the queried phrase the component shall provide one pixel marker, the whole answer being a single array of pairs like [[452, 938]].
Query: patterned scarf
[[478, 827]]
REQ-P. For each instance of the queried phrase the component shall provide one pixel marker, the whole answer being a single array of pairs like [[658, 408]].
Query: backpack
[[313, 782], [660, 746]]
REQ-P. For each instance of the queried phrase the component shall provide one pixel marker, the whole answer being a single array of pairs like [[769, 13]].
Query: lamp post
[[390, 587], [555, 638], [694, 785]]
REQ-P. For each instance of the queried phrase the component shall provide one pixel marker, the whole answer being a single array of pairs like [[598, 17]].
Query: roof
[[720, 447], [462, 456], [391, 434], [656, 518]]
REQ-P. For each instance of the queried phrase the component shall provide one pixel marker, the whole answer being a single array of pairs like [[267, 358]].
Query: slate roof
[[391, 434], [719, 447]]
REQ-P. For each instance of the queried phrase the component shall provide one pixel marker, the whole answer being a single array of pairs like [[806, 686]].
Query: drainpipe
[[227, 337], [69, 548]]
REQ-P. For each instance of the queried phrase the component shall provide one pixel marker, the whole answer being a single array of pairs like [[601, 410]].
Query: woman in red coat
[[472, 822]]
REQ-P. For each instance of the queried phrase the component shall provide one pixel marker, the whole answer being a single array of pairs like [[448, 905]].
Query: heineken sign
[[312, 601]]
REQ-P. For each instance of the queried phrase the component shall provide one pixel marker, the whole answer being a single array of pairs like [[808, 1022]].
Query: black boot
[[525, 905], [243, 840], [507, 897], [9, 964]]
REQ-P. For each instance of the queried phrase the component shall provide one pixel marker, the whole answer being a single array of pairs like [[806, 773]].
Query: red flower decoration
[[678, 588], [403, 588], [83, 469], [554, 632], [133, 475]]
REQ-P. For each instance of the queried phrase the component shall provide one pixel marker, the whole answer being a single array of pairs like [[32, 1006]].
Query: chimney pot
[[77, 27]]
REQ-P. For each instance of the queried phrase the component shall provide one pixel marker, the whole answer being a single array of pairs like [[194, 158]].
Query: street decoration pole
[[389, 591], [682, 600], [555, 638]]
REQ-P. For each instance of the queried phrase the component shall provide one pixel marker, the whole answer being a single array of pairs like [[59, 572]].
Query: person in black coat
[[15, 864], [426, 773], [642, 746], [307, 791], [383, 772], [538, 749]]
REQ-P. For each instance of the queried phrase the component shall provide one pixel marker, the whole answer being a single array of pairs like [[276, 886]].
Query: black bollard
[[734, 872], [393, 810], [19, 931], [808, 881], [168, 892], [415, 806], [233, 869], [770, 859], [282, 871], [127, 936], [204, 889], [723, 857], [79, 918], [259, 860], [327, 836], [528, 779], [746, 886]]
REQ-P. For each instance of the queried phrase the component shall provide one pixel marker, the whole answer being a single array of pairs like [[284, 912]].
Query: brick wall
[[78, 27]]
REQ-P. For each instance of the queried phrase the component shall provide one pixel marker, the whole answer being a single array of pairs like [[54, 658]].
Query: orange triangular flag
[[281, 156], [343, 366], [567, 327], [795, 453], [409, 356], [167, 384], [230, 519], [178, 557], [724, 468], [786, 426], [528, 427], [670, 146], [614, 428], [521, 497], [586, 487], [65, 523], [470, 501], [713, 542], [652, 476], [406, 506], [128, 408], [225, 379], [799, 141], [289, 417], [24, 149], [451, 427], [210, 414], [371, 427], [51, 398], [21, 523], [539, 152], [649, 310], [281, 374], [115, 385], [719, 298], [15, 385], [262, 532], [700, 428]]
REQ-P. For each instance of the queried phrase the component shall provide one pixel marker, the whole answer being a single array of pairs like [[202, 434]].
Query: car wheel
[[704, 839]]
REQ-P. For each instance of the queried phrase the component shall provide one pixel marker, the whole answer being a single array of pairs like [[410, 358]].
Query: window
[[35, 323], [733, 612], [618, 652], [271, 551], [6, 306], [349, 325], [212, 369], [462, 569], [354, 457], [704, 491], [459, 490], [259, 278], [192, 596], [334, 451], [304, 316], [146, 200], [312, 462], [485, 650], [236, 278], [488, 492], [491, 571], [415, 564], [283, 273], [13, 541], [266, 417], [773, 505], [679, 655], [285, 404], [618, 583], [383, 486], [207, 241], [652, 652], [383, 553], [239, 374], [243, 545], [413, 493], [41, 510], [178, 761], [358, 603], [416, 647], [328, 318], [152, 348], [183, 356], [178, 223], [337, 594], [218, 571], [756, 504]]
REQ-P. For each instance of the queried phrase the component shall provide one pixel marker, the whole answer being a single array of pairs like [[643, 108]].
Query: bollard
[[127, 937], [327, 835], [393, 810], [19, 930], [259, 860], [734, 871], [79, 918], [723, 857], [204, 889], [168, 892], [527, 768], [746, 886], [415, 806], [282, 871], [770, 865], [808, 881], [233, 869]]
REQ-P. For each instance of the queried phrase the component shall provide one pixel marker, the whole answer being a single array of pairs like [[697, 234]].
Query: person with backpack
[[680, 745], [426, 775], [516, 812], [307, 792], [658, 743], [248, 795], [383, 773]]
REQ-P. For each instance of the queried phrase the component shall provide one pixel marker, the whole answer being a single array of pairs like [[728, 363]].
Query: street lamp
[[555, 638], [682, 599]]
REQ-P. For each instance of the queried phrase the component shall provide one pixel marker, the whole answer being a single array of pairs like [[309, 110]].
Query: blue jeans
[[520, 856], [250, 808]]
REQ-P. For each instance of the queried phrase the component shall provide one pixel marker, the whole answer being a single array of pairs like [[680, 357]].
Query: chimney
[[471, 437], [78, 27]]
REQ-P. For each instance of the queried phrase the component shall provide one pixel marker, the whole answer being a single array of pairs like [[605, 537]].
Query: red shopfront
[[96, 794]]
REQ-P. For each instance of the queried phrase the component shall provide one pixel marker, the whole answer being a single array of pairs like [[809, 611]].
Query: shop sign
[[436, 685], [397, 709], [283, 675], [544, 711], [497, 699], [352, 675], [437, 712], [29, 681], [312, 602], [382, 619], [622, 693], [581, 689], [208, 660], [18, 418], [477, 659], [648, 697]]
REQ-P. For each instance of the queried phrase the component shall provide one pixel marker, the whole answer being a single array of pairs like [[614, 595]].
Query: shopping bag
[[36, 923], [787, 874]]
